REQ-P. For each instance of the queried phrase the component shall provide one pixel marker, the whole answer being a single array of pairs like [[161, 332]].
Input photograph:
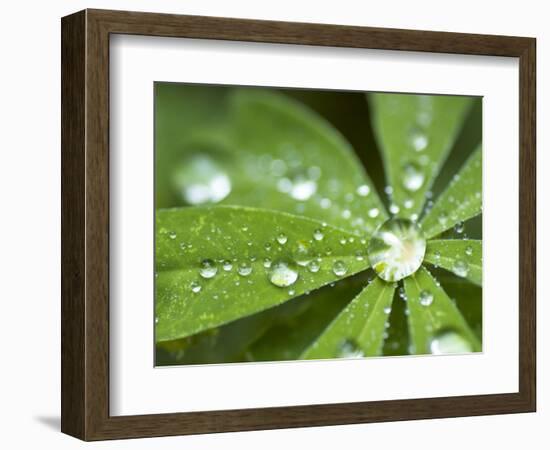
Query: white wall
[[30, 230]]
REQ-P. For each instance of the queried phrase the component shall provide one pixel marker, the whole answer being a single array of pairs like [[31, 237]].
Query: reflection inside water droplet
[[396, 250], [282, 274]]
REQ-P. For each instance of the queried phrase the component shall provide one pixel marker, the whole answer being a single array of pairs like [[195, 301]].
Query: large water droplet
[[413, 177], [461, 268], [282, 274], [426, 298], [396, 249], [339, 268], [449, 341], [208, 268], [202, 180]]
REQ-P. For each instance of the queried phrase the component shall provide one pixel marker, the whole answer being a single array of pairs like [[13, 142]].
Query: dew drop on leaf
[[426, 298], [244, 269], [373, 212], [172, 235], [363, 190], [339, 268], [469, 251], [449, 341], [208, 268], [396, 250], [282, 274], [461, 268], [267, 263], [282, 239], [313, 266], [349, 349], [195, 287], [459, 227], [413, 177], [318, 235], [227, 265]]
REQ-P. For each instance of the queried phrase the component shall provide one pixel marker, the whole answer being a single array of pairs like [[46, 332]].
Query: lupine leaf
[[187, 303], [359, 329], [435, 326], [262, 149], [460, 201], [415, 134], [460, 256]]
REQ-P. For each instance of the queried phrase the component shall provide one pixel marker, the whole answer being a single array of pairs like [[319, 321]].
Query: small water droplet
[[267, 263], [449, 341], [318, 235], [408, 203], [227, 265], [282, 274], [469, 250], [442, 218], [461, 268], [363, 190], [426, 298], [208, 268], [313, 266], [339, 268], [325, 203], [394, 209], [346, 214], [282, 239], [172, 235], [359, 255], [291, 292], [244, 269], [349, 349], [373, 212], [267, 246], [419, 140], [387, 309], [413, 177], [195, 287], [459, 227]]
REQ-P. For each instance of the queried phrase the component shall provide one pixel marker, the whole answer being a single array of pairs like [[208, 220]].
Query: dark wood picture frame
[[85, 224]]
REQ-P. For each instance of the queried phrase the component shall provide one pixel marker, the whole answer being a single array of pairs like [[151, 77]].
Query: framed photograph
[[273, 225]]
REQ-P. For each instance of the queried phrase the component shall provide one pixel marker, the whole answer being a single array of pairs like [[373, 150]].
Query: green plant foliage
[[459, 202], [416, 134], [460, 256], [244, 240], [359, 329], [434, 318], [264, 215]]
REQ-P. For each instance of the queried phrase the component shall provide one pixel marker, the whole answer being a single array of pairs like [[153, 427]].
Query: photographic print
[[301, 224]]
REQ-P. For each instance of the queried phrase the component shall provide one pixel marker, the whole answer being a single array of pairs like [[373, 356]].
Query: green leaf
[[415, 134], [359, 329], [260, 149], [460, 256], [187, 303], [288, 340], [438, 327], [297, 162], [459, 202], [468, 298], [229, 342]]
